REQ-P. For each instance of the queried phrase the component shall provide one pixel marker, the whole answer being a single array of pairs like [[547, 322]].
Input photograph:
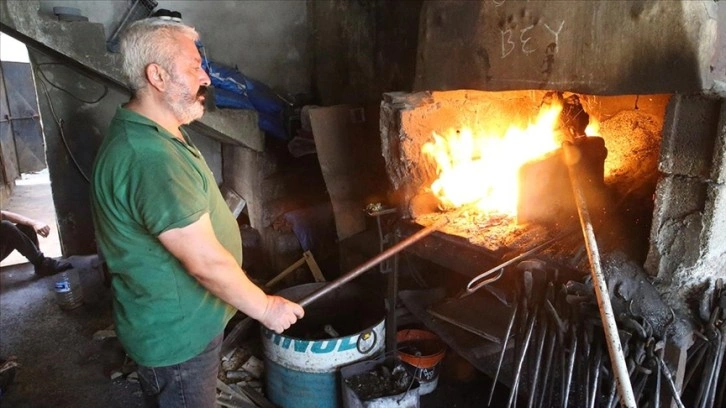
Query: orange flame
[[482, 169], [593, 127]]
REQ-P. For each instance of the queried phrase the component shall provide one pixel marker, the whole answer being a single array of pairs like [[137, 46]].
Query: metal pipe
[[360, 269], [570, 368], [504, 349], [694, 362], [713, 378], [548, 364], [670, 382], [227, 346], [708, 367], [391, 319], [615, 349], [656, 392], [537, 360], [596, 378], [518, 372]]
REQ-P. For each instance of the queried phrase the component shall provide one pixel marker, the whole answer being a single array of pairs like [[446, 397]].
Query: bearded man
[[171, 244]]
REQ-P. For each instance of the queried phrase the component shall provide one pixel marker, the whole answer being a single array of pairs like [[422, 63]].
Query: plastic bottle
[[68, 291]]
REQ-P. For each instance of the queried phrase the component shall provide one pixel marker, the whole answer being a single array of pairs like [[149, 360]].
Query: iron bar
[[391, 319], [570, 368], [595, 377], [658, 376], [365, 266], [537, 362], [710, 396], [670, 382], [617, 358], [504, 349], [518, 372], [548, 364]]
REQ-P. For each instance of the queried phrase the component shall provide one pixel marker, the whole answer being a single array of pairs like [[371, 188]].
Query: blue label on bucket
[[317, 347], [324, 355], [62, 286]]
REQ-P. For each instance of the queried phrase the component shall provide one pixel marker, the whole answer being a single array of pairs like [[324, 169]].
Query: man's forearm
[[226, 280], [198, 249], [214, 267], [17, 218]]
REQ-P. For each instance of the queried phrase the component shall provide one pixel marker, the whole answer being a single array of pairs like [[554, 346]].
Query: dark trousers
[[22, 238], [191, 384]]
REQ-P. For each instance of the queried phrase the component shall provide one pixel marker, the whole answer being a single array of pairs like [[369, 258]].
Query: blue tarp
[[233, 89]]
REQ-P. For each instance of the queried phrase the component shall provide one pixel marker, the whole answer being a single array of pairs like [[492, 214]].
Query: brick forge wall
[[688, 235]]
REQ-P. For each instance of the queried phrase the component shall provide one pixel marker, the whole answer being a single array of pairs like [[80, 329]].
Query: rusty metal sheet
[[481, 353], [24, 118], [480, 312], [346, 138], [8, 155]]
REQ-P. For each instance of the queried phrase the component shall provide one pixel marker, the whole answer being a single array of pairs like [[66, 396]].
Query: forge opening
[[499, 154]]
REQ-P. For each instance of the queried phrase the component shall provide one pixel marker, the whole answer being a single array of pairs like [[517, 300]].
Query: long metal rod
[[537, 362], [596, 378], [518, 372], [360, 269], [615, 349], [504, 350], [391, 319], [670, 382], [570, 368], [229, 341], [479, 281]]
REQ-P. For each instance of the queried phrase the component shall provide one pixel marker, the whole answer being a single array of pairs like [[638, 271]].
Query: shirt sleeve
[[167, 192]]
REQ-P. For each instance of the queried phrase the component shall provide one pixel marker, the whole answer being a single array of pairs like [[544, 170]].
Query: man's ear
[[156, 75]]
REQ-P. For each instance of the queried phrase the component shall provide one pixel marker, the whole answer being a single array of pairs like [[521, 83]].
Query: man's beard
[[186, 106]]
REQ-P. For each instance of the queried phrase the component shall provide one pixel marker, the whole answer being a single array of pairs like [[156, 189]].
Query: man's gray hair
[[150, 41]]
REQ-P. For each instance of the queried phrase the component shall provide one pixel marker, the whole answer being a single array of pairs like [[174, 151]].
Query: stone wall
[[688, 236]]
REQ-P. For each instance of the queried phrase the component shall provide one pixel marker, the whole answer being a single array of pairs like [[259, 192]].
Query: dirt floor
[[61, 365]]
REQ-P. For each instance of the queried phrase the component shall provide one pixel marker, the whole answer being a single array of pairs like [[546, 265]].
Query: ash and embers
[[495, 232]]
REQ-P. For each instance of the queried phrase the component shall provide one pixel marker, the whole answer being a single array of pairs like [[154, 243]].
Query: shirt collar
[[131, 116]]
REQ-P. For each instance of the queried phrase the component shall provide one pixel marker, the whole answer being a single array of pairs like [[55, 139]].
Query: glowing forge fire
[[482, 169]]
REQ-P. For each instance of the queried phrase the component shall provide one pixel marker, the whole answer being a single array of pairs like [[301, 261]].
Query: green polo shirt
[[145, 182]]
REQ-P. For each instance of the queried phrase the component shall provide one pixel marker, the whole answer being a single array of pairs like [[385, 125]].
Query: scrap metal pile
[[705, 375], [560, 357]]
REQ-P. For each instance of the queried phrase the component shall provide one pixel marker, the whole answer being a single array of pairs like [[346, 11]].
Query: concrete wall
[[688, 235], [592, 47], [363, 49], [274, 183], [84, 107], [266, 39]]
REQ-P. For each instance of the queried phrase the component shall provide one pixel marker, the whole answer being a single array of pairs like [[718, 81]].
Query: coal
[[380, 382]]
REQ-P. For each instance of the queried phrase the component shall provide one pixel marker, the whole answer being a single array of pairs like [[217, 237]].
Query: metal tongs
[[492, 275]]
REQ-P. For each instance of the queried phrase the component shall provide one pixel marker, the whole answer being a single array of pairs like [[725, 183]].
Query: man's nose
[[204, 79]]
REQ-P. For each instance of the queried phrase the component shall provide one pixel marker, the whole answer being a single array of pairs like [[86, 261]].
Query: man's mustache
[[202, 91]]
